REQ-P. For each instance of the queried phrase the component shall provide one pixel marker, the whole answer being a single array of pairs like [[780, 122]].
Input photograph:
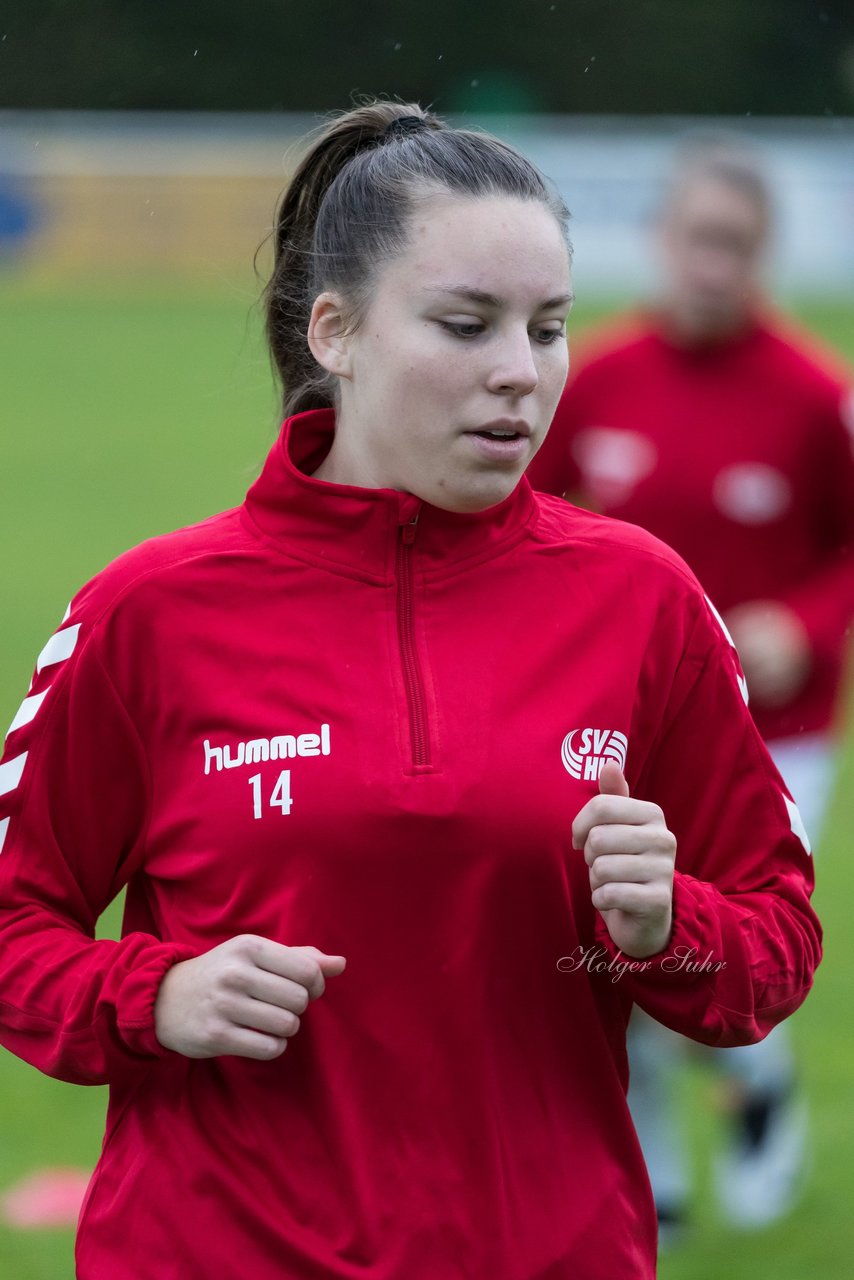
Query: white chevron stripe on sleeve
[[742, 682], [4, 827], [27, 710], [59, 647], [797, 823], [10, 773]]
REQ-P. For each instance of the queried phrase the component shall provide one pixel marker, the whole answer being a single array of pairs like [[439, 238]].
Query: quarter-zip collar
[[356, 531]]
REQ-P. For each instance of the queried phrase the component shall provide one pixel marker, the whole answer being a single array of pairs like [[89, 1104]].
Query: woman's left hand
[[631, 855]]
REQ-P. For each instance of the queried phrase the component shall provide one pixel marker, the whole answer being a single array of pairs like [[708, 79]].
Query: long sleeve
[[73, 806], [745, 940]]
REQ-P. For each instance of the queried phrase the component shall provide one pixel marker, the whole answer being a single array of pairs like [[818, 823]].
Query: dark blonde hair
[[346, 212], [728, 158]]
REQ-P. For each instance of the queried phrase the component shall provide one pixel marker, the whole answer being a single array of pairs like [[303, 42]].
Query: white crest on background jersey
[[613, 462], [752, 493], [797, 822], [586, 757], [742, 683]]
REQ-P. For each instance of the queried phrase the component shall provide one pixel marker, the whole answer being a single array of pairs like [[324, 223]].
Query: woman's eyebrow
[[491, 300]]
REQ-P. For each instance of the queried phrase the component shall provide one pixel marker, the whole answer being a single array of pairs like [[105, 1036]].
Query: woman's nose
[[514, 372]]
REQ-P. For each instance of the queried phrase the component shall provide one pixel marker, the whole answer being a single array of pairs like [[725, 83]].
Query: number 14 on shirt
[[280, 797]]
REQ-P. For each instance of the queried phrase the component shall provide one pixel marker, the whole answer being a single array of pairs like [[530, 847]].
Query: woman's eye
[[468, 330], [473, 328]]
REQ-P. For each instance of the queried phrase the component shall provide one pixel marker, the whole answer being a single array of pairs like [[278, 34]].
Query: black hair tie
[[402, 127]]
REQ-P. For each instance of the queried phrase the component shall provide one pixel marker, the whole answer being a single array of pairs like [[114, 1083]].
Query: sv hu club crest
[[584, 751]]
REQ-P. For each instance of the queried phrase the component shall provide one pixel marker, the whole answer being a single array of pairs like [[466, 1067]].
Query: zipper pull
[[408, 511]]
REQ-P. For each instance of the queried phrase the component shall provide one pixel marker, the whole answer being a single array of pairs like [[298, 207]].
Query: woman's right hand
[[243, 997]]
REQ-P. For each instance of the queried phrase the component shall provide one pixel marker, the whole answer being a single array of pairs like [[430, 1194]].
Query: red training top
[[735, 453], [343, 717]]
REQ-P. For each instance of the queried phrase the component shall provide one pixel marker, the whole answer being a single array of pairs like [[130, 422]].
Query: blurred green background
[[779, 57], [129, 413]]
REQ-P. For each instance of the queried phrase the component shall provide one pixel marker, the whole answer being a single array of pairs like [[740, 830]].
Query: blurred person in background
[[708, 420]]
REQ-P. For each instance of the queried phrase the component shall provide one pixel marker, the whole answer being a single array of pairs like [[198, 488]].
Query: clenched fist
[[244, 997], [631, 855]]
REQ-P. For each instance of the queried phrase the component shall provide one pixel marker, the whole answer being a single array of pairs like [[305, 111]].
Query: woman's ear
[[327, 335]]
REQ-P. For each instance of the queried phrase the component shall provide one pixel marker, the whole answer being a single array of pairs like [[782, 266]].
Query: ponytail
[[346, 212], [293, 287]]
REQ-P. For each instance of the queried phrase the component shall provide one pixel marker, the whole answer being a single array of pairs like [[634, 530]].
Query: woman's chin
[[483, 493]]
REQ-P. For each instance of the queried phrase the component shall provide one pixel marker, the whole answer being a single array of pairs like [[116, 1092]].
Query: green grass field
[[126, 415]]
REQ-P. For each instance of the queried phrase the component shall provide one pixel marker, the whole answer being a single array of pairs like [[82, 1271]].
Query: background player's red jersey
[[737, 454]]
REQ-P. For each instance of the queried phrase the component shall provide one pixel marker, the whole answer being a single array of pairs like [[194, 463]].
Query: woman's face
[[713, 239], [450, 381]]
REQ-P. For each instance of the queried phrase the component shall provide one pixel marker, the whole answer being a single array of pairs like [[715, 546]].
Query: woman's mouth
[[501, 444]]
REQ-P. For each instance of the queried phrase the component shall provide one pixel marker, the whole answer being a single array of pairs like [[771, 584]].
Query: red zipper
[[416, 699]]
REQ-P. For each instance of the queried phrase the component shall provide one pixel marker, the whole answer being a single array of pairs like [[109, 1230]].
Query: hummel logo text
[[284, 747]]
